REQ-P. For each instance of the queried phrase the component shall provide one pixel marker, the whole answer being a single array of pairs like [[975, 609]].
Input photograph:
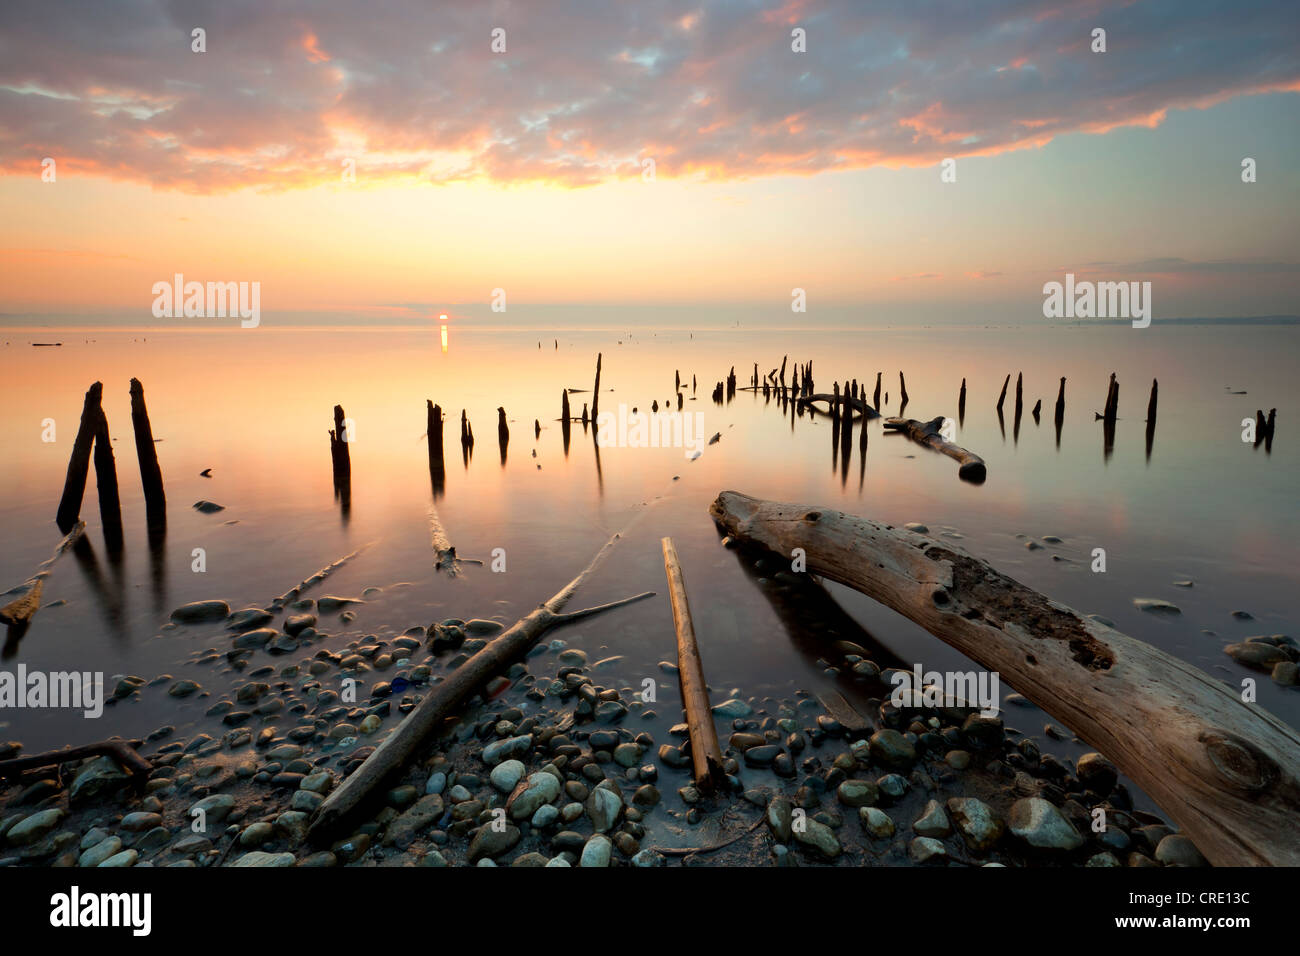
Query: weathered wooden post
[[110, 503], [74, 485], [146, 451]]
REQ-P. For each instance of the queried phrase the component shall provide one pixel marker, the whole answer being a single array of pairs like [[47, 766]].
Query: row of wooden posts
[[92, 433]]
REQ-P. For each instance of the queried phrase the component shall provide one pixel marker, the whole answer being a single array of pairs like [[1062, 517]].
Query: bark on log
[[459, 686], [74, 485], [155, 499], [927, 433], [1227, 772], [706, 755]]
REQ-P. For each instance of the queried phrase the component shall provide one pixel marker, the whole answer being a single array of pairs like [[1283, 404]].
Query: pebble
[[924, 849], [876, 822], [976, 821], [506, 775], [596, 851], [933, 822], [1040, 824]]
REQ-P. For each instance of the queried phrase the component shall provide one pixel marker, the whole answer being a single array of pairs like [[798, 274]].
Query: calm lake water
[[255, 407]]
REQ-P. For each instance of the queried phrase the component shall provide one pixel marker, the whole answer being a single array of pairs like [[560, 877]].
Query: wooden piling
[[595, 395], [147, 452], [74, 485], [110, 502]]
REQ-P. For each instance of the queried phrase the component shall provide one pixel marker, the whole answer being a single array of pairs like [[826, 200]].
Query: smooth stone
[[1040, 824], [489, 842], [596, 851], [976, 822], [260, 858], [1178, 850], [507, 774], [529, 796], [819, 837], [933, 822], [199, 611], [100, 852], [876, 822], [733, 707], [924, 849]]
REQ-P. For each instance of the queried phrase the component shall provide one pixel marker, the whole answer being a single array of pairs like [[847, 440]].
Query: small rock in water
[[1156, 606], [200, 611], [917, 527], [208, 507]]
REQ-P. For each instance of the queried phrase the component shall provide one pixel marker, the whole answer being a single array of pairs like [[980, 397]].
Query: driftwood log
[[927, 433], [834, 402], [706, 755], [123, 751], [442, 699], [1228, 772], [21, 609]]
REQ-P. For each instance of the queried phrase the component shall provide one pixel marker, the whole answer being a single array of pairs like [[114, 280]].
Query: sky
[[403, 159]]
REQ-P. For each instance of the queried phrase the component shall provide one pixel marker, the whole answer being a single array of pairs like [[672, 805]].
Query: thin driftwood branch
[[1228, 772], [442, 699], [927, 433], [20, 610], [123, 751], [294, 592], [706, 755], [834, 402]]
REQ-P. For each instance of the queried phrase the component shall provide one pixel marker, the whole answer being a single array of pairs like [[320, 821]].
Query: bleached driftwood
[[928, 433], [706, 755], [459, 686], [1228, 772], [21, 609]]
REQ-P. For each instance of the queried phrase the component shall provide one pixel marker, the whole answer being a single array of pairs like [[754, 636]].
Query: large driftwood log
[[21, 609], [927, 433], [459, 686], [706, 755], [1228, 772]]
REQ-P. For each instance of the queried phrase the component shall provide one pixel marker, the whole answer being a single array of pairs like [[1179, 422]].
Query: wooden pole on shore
[[706, 755], [74, 485], [146, 451]]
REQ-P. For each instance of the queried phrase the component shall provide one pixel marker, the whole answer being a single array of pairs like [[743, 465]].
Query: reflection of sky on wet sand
[[255, 406]]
